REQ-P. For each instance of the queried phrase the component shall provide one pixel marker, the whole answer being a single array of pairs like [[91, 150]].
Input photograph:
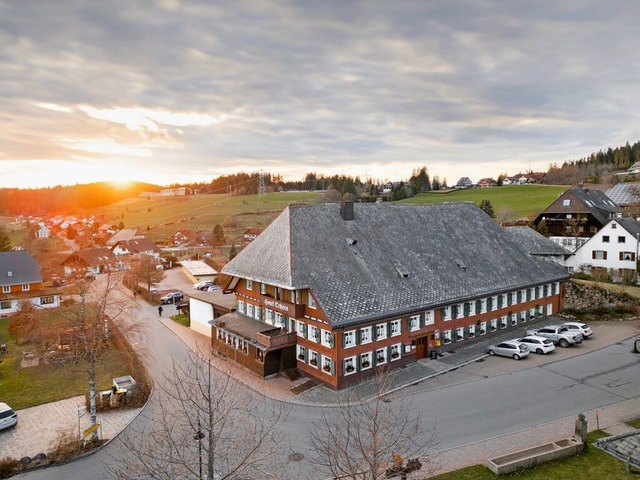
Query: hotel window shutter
[[318, 334], [478, 306], [593, 254], [442, 313], [489, 304], [306, 355], [344, 339], [358, 332], [374, 333], [332, 340], [605, 254], [467, 309], [509, 298]]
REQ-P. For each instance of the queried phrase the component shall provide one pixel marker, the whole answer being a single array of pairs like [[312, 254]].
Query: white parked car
[[539, 345], [8, 418], [509, 348], [583, 328]]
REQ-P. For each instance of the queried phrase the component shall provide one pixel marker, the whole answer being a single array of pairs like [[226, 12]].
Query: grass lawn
[[634, 423], [594, 464], [522, 200], [31, 386], [181, 319]]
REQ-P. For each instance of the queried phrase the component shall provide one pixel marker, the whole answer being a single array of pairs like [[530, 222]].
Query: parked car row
[[542, 340]]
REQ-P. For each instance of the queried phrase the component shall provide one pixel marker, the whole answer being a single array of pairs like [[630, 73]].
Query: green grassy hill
[[513, 201], [164, 215]]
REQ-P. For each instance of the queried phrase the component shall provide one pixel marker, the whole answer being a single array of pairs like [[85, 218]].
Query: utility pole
[[262, 190]]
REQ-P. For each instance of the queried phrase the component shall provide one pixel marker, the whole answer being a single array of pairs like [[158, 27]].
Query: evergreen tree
[[218, 235], [487, 207], [5, 243], [121, 225]]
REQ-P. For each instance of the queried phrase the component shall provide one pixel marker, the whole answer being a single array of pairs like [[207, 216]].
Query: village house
[[612, 251], [250, 234], [91, 261], [136, 246], [576, 215], [21, 280], [340, 291], [486, 183]]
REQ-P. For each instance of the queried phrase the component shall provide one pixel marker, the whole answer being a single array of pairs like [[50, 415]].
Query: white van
[[8, 418]]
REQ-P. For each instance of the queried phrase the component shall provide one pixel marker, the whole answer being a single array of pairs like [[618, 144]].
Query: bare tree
[[222, 429], [147, 273], [98, 302], [370, 438]]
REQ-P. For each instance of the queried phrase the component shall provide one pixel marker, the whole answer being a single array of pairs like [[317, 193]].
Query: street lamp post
[[198, 436]]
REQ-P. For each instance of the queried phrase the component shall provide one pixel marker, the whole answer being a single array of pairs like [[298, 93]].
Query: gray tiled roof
[[450, 252], [534, 243], [23, 268], [584, 200]]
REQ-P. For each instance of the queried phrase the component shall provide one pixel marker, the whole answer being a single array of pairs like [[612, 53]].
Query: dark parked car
[[172, 297]]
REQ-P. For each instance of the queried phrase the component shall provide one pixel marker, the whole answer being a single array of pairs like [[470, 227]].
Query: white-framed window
[[292, 296], [532, 313], [460, 310], [327, 365], [311, 302], [459, 334], [47, 300], [472, 309], [523, 316], [414, 323], [446, 336], [279, 320], [483, 305], [349, 365], [242, 307], [249, 310], [349, 338], [313, 358], [614, 225], [6, 288], [297, 297], [302, 353], [446, 313], [429, 317], [472, 331], [279, 293], [313, 333], [483, 328], [395, 327], [249, 284], [327, 338], [381, 356], [263, 288], [25, 287], [260, 355], [268, 316], [494, 303], [300, 329], [365, 361], [365, 335], [549, 309], [493, 324], [5, 304], [381, 331], [256, 313], [503, 322], [395, 351], [622, 239], [514, 319]]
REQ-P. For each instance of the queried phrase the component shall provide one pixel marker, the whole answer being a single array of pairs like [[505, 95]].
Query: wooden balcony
[[273, 339]]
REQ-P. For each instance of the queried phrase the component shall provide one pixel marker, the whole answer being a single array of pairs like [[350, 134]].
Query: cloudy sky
[[185, 90]]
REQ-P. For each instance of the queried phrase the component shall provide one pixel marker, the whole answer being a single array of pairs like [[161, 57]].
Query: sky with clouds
[[185, 90]]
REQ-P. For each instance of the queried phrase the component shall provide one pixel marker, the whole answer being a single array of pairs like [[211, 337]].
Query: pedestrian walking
[[159, 311]]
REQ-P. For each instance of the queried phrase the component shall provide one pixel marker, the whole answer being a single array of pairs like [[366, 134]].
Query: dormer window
[[25, 287]]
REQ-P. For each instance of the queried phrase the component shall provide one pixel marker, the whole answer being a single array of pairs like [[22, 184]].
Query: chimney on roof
[[346, 210]]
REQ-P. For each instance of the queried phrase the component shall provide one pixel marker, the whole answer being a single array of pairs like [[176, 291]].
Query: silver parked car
[[8, 418], [540, 345], [583, 328], [509, 348]]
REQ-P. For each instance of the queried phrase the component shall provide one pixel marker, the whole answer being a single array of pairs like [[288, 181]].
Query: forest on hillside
[[599, 167]]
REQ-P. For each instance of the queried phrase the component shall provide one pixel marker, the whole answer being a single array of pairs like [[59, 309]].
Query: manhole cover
[[296, 457]]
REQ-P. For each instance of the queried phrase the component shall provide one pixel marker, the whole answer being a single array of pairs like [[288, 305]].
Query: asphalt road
[[467, 408]]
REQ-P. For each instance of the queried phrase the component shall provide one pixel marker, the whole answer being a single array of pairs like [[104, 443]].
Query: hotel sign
[[279, 306]]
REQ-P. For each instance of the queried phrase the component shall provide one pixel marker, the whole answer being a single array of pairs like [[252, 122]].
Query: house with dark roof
[[340, 291], [578, 213], [486, 182], [21, 280], [124, 234], [464, 182], [612, 251], [92, 261], [138, 245]]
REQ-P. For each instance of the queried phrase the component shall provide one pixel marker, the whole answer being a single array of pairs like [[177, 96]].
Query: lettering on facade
[[278, 306]]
